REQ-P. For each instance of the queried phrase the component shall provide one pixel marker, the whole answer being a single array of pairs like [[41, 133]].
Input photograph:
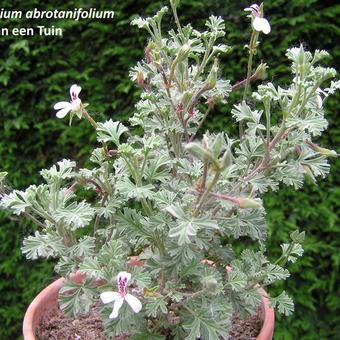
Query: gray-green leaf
[[110, 131]]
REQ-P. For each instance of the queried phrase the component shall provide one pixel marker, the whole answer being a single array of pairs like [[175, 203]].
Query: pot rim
[[44, 298], [267, 329]]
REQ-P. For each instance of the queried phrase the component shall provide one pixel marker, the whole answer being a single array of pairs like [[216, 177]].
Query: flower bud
[[260, 72], [205, 142], [212, 77], [298, 149], [148, 52], [301, 55], [181, 68], [204, 154], [322, 151], [140, 78], [254, 203], [226, 160], [210, 284], [192, 112], [198, 151], [173, 319], [217, 144], [184, 51], [187, 98], [153, 55], [308, 173], [179, 108], [174, 3]]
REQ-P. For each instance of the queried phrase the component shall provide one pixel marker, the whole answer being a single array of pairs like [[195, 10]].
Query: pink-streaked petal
[[122, 276], [75, 89], [253, 8], [321, 92], [60, 105], [63, 112], [133, 302], [261, 25], [116, 307], [108, 297]]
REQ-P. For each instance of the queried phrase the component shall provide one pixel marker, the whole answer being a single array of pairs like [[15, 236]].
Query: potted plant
[[178, 202]]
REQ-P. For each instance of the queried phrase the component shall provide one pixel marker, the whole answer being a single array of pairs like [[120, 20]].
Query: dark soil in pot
[[56, 326]]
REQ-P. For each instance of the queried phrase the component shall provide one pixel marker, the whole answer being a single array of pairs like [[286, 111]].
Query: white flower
[[73, 106], [319, 98], [259, 23], [121, 296]]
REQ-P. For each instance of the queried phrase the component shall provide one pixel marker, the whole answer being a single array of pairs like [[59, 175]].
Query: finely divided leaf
[[155, 306], [242, 112], [208, 320], [275, 273], [92, 268], [15, 201], [76, 298], [283, 303], [43, 246], [63, 170], [76, 215], [131, 190], [187, 225], [129, 221], [85, 247], [294, 253], [237, 280], [110, 131]]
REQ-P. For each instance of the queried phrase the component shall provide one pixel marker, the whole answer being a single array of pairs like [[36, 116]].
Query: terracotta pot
[[47, 300], [267, 329], [43, 302]]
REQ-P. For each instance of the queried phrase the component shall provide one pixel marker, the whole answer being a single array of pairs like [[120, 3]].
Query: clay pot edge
[[34, 311]]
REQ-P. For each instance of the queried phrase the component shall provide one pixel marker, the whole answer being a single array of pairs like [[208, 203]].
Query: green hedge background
[[36, 72]]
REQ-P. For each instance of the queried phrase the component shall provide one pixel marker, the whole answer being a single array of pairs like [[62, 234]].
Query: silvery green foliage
[[175, 200]]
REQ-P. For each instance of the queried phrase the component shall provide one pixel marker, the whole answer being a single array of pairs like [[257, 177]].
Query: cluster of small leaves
[[170, 198]]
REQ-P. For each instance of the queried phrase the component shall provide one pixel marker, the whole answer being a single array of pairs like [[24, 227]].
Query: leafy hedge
[[35, 72]]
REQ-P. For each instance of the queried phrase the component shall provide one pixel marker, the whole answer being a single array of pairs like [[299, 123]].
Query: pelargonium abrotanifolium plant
[[174, 199]]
